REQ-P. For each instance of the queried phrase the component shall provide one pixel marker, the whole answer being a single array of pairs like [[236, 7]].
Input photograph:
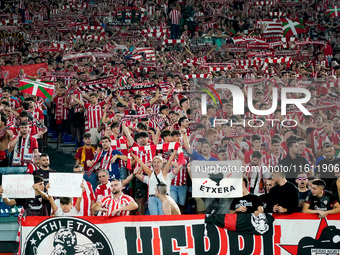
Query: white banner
[[18, 185], [176, 235], [65, 185], [216, 179]]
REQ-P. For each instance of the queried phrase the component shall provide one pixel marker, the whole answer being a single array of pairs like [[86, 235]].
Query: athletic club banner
[[19, 72], [178, 235]]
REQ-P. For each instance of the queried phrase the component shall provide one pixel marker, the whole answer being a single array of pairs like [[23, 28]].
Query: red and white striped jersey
[[308, 154], [120, 144], [232, 150], [175, 17], [144, 156], [274, 160], [76, 92], [155, 108], [112, 204], [333, 139], [14, 103], [87, 197], [315, 137], [28, 15], [40, 103], [181, 178], [142, 109], [60, 110], [110, 71], [38, 114], [31, 168], [132, 125], [94, 113], [10, 119], [102, 191]]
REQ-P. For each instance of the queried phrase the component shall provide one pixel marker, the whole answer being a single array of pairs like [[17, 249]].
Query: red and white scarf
[[104, 162], [164, 147], [27, 157]]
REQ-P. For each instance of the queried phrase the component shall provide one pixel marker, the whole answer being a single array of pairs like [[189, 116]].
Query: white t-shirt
[[60, 212]]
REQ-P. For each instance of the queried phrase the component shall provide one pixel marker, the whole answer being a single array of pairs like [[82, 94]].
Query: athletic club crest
[[260, 223], [41, 71], [67, 236]]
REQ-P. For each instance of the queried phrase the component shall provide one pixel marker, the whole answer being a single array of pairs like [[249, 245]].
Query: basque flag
[[37, 88]]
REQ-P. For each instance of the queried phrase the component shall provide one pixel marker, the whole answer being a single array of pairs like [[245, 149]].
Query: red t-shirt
[[89, 155]]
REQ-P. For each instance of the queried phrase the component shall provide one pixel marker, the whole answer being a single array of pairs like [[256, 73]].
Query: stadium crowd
[[128, 78]]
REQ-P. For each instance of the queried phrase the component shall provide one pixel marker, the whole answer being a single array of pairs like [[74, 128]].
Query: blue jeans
[[91, 179], [122, 172], [178, 193], [155, 206]]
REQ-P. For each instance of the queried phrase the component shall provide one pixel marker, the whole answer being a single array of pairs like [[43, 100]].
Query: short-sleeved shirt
[[112, 204], [196, 156], [89, 155], [114, 168], [60, 212], [324, 203], [251, 201], [94, 113], [102, 191], [44, 174], [34, 206]]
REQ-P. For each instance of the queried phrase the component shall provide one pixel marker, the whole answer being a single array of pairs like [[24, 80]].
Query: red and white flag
[[272, 28]]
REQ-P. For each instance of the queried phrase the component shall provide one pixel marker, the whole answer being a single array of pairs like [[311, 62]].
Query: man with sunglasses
[[302, 182]]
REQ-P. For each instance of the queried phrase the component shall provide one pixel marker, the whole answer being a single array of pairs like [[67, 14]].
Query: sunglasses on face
[[300, 179]]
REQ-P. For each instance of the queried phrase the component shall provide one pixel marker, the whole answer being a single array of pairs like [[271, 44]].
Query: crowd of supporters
[[129, 96]]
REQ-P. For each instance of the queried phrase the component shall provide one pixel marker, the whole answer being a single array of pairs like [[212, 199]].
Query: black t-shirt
[[285, 196], [293, 167], [250, 201], [44, 174], [324, 203], [264, 198], [34, 206]]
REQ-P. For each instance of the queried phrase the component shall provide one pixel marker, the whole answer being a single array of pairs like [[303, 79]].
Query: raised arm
[[41, 193], [190, 53], [212, 50], [5, 199], [145, 167], [78, 101], [166, 168], [120, 99], [153, 100], [187, 146], [127, 135], [108, 99]]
